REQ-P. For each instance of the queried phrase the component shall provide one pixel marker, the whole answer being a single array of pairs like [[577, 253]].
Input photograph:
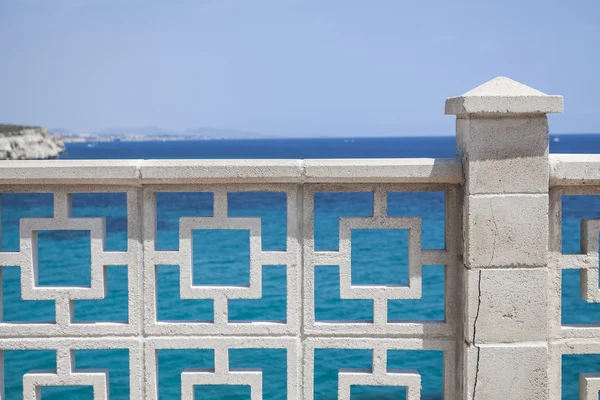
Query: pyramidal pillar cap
[[504, 96]]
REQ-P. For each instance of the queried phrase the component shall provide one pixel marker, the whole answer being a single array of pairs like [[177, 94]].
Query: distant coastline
[[95, 138], [155, 134]]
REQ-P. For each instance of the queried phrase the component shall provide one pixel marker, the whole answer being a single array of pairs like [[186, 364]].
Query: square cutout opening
[[64, 258], [221, 257], [379, 257]]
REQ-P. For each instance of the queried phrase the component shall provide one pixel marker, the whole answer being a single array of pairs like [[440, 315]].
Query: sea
[[222, 258]]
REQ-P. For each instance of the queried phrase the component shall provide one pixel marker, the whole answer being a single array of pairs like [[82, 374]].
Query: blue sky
[[289, 67]]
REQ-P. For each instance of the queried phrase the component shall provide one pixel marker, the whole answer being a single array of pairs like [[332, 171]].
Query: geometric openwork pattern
[[222, 294], [379, 294], [66, 374], [143, 334], [26, 258], [586, 261], [589, 248], [378, 374], [573, 339], [222, 374]]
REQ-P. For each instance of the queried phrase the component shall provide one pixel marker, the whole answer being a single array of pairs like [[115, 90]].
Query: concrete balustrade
[[502, 335]]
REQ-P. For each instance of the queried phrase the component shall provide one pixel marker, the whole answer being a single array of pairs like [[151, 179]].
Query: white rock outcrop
[[30, 144]]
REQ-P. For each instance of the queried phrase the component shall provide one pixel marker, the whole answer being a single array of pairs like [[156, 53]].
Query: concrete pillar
[[502, 138]]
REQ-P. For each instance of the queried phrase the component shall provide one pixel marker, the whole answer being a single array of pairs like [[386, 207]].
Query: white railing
[[299, 334], [502, 336], [169, 172]]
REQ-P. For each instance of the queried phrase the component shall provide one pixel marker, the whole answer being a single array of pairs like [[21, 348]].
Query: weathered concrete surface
[[506, 305], [504, 154], [505, 372], [574, 169], [502, 95], [589, 386], [169, 172], [66, 172], [506, 231], [384, 170], [502, 138]]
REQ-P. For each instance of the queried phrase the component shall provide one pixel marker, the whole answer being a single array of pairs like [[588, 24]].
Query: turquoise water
[[223, 258]]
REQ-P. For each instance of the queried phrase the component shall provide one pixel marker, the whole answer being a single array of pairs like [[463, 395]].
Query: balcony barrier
[[501, 336]]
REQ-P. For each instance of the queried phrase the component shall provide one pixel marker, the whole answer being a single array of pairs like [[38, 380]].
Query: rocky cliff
[[28, 143]]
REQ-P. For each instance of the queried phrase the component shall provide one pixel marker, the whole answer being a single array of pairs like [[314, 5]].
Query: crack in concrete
[[475, 332], [478, 307], [476, 373]]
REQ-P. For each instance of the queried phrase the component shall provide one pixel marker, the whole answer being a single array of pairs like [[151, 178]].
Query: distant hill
[[136, 130], [219, 133], [59, 131], [201, 132]]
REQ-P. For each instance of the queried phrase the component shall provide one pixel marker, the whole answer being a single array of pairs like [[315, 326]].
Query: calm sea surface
[[220, 257]]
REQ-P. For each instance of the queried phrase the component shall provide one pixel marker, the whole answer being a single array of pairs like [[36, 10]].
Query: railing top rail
[[565, 170], [139, 172], [574, 169]]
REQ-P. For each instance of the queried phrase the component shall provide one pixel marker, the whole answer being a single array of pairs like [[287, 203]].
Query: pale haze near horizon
[[289, 68]]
